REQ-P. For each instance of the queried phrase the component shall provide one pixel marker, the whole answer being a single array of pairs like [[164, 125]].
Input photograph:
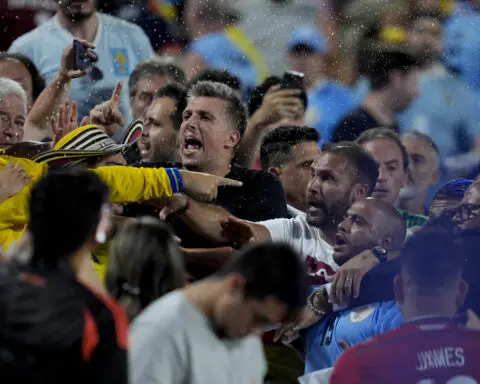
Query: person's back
[[196, 354], [53, 329], [430, 347], [422, 351]]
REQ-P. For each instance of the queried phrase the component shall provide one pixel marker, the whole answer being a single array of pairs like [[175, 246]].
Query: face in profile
[[206, 134], [159, 137], [237, 316], [297, 174], [329, 191]]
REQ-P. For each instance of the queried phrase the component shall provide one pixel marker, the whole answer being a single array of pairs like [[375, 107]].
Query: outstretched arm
[[213, 222]]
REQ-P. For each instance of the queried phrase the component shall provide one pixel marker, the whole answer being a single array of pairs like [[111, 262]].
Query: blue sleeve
[[204, 46], [388, 317]]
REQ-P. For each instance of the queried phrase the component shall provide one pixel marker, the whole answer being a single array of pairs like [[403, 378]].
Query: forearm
[[37, 126], [205, 220], [250, 145]]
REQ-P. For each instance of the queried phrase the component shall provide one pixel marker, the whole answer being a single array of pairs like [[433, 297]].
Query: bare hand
[[13, 178], [108, 115], [175, 203], [473, 321], [347, 280], [67, 70], [67, 121], [238, 232], [204, 187], [290, 332], [279, 104]]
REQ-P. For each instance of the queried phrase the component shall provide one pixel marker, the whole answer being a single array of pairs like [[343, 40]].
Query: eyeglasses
[[466, 212]]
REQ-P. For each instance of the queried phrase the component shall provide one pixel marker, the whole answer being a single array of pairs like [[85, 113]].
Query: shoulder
[[124, 26], [30, 39], [254, 178], [162, 314], [208, 40]]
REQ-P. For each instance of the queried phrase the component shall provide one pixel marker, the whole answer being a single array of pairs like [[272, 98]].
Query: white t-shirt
[[172, 342], [308, 242]]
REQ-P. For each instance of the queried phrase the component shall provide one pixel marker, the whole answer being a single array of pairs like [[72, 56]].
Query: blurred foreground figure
[[430, 346], [206, 333], [54, 327]]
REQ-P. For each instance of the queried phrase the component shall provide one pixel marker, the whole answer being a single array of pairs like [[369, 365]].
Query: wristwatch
[[380, 253]]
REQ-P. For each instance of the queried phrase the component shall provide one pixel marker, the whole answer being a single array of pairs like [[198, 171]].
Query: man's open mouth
[[192, 143]]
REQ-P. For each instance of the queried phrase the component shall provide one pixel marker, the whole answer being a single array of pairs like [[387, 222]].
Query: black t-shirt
[[354, 124], [55, 330], [261, 197]]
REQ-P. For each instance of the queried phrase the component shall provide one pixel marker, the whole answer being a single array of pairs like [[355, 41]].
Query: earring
[[101, 237]]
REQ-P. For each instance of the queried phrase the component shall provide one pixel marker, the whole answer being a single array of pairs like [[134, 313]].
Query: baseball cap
[[309, 36]]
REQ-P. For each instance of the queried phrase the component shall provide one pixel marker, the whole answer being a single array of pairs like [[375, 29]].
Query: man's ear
[[275, 170], [386, 242], [234, 283], [360, 192], [233, 139]]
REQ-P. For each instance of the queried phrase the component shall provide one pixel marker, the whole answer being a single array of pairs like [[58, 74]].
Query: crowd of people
[[182, 211]]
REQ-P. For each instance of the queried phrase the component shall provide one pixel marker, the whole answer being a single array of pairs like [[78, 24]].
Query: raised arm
[[38, 124]]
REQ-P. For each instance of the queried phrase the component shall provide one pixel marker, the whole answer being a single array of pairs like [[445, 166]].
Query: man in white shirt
[[120, 46], [206, 333], [343, 173]]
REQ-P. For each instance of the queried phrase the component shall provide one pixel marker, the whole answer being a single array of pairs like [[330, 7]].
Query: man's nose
[[382, 174]]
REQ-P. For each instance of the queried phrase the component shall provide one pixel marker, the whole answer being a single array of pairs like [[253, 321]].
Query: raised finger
[[228, 182], [74, 111], [117, 92]]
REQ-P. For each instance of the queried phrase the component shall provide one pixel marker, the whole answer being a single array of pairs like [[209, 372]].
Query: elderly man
[[13, 112]]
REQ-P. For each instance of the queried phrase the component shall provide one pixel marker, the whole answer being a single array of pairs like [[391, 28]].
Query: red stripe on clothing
[[91, 337], [119, 317]]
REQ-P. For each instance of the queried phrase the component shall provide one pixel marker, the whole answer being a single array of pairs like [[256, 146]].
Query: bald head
[[368, 223]]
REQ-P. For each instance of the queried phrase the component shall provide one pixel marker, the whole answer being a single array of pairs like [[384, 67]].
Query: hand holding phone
[[83, 57]]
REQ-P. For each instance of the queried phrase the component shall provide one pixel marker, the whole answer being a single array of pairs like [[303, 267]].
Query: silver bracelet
[[311, 306]]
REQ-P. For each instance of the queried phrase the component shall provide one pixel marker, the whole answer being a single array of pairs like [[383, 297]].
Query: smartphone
[[81, 59], [292, 80]]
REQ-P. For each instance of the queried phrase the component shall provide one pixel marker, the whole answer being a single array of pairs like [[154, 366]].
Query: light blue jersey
[[447, 110], [120, 47], [353, 326], [328, 103], [220, 52]]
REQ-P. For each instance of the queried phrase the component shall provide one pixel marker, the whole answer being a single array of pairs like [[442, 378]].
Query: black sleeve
[[377, 285], [348, 130], [266, 198]]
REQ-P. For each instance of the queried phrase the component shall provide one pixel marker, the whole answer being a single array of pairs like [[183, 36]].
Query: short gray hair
[[155, 68], [233, 105], [10, 87]]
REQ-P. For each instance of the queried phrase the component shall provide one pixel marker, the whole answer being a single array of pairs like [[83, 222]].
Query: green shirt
[[413, 220]]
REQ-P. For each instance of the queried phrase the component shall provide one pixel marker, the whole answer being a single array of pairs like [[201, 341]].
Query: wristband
[[310, 304], [176, 180]]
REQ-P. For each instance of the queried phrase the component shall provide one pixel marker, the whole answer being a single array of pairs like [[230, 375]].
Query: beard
[[75, 14], [321, 215]]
